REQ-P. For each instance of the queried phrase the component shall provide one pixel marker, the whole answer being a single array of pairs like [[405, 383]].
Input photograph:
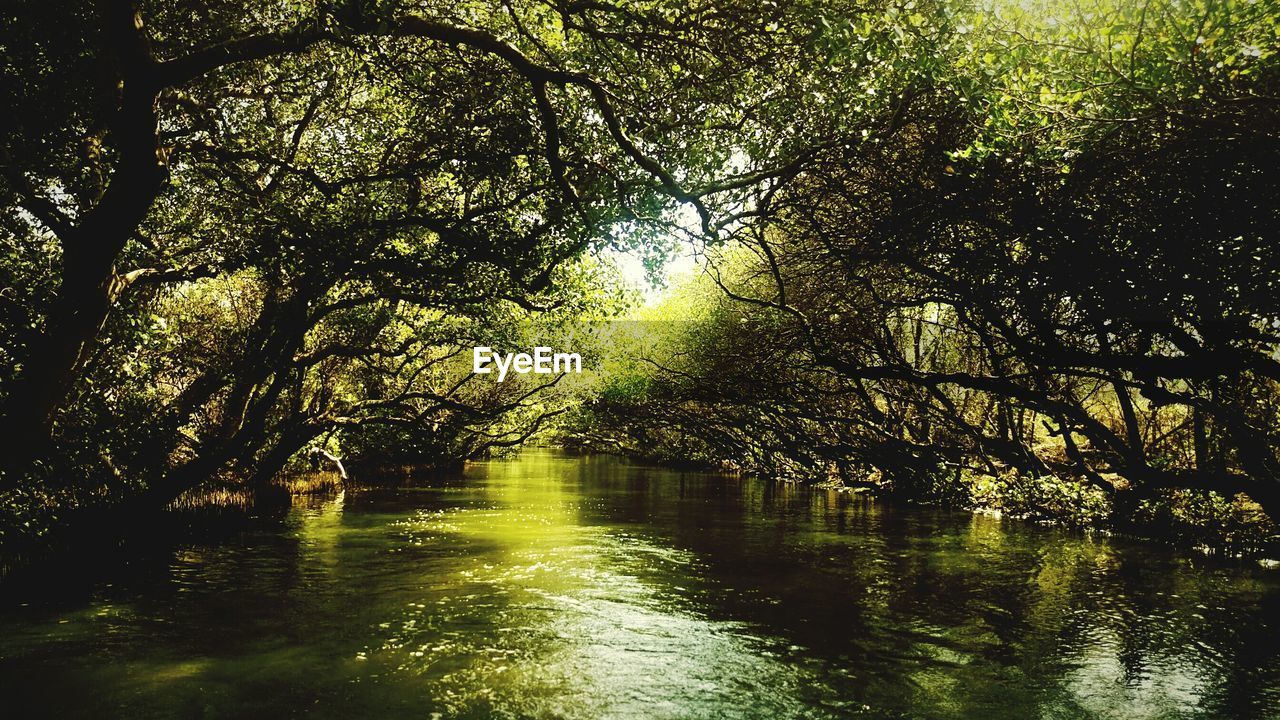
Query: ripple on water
[[584, 588]]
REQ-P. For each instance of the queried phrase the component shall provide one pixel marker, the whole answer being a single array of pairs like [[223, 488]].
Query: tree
[[232, 230], [1053, 256]]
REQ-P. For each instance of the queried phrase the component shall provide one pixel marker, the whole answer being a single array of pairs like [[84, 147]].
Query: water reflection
[[585, 588]]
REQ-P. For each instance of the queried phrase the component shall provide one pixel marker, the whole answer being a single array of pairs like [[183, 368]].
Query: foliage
[[1023, 240], [231, 231], [1049, 265]]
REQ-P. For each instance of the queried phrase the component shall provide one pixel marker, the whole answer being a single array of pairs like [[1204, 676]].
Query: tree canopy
[[1018, 239]]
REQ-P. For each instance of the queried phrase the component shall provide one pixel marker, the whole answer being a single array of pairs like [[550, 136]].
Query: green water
[[585, 588]]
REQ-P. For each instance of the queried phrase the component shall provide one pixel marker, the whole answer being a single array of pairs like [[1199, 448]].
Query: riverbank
[[1204, 521]]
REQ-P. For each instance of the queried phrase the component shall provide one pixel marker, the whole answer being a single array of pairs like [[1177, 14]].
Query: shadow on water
[[546, 586]]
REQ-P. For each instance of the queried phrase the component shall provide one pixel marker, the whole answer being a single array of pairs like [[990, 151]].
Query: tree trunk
[[1267, 494], [274, 460], [89, 284]]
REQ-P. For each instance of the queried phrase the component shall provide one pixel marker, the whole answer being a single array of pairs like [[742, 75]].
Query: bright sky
[[630, 264]]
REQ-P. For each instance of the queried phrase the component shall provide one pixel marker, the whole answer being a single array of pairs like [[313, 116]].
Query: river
[[547, 586]]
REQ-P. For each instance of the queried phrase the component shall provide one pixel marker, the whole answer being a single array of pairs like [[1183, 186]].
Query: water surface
[[556, 587]]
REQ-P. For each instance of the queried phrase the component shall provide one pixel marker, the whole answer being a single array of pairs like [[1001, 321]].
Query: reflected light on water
[[547, 586]]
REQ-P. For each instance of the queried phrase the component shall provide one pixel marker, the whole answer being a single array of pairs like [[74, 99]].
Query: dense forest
[[1008, 254]]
